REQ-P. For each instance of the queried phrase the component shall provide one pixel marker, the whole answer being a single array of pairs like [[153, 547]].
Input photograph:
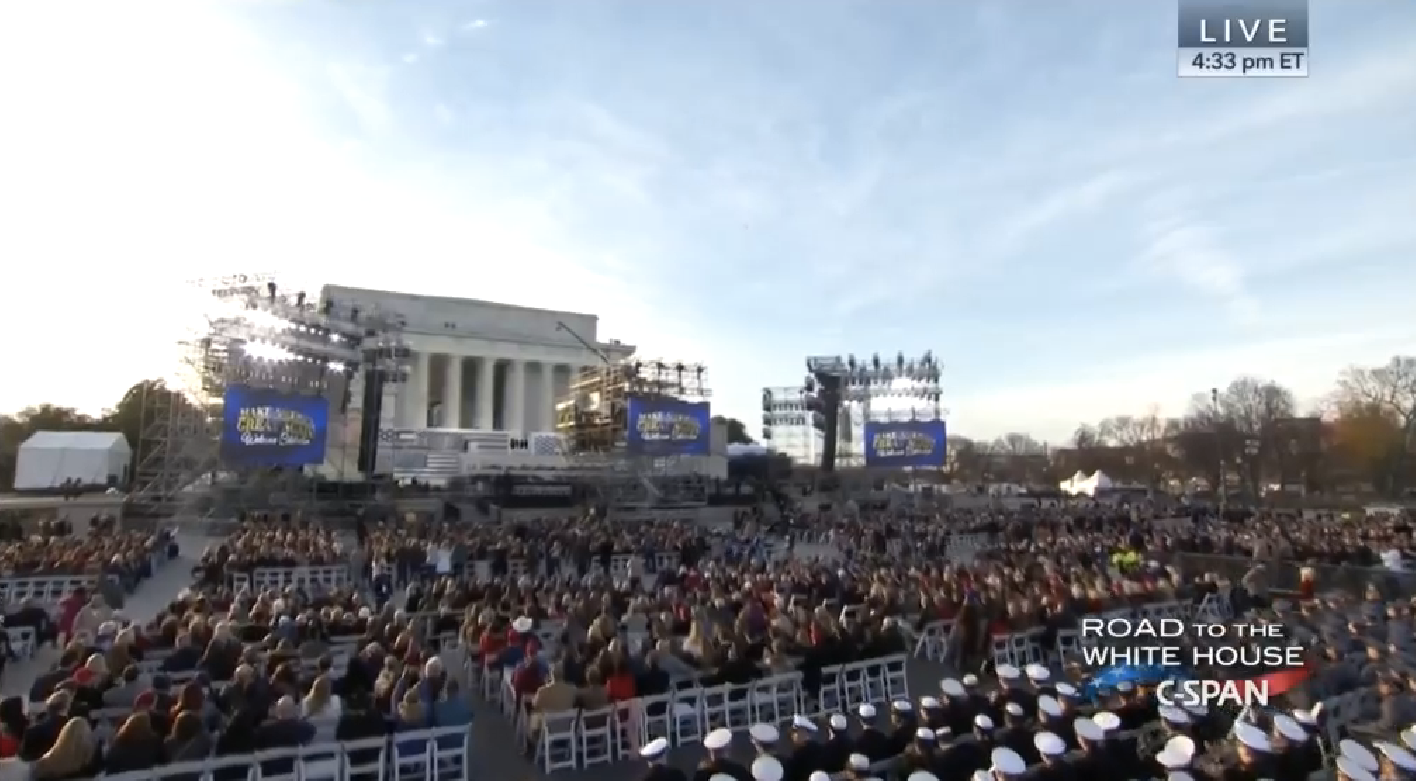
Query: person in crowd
[[135, 746], [74, 754]]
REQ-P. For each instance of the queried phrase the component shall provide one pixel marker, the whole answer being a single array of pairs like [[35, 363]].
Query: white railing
[[278, 578], [48, 590], [581, 738], [441, 753]]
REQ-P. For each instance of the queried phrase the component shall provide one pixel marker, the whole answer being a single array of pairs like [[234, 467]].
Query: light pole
[[1221, 486]]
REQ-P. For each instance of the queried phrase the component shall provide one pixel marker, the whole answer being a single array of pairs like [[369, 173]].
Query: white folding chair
[[556, 745], [412, 758], [364, 760], [655, 718], [449, 749], [828, 696], [596, 743], [897, 679], [687, 713]]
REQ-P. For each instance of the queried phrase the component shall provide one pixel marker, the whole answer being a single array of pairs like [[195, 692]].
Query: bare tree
[[1254, 408], [1387, 391]]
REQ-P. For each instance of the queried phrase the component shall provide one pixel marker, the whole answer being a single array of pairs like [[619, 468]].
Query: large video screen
[[261, 427], [667, 427], [914, 443]]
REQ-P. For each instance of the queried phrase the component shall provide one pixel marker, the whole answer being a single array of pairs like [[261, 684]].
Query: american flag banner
[[545, 444]]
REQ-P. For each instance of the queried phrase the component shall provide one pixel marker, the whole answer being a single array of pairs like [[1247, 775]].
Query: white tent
[[1080, 484], [48, 458]]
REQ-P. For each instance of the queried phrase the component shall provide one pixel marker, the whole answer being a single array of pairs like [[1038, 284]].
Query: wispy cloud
[[745, 183]]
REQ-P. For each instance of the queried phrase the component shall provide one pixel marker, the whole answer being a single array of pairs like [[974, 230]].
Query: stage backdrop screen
[[261, 427], [658, 426], [915, 443]]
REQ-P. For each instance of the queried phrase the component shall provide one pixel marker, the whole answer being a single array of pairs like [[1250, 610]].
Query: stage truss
[[593, 420], [243, 331], [879, 390]]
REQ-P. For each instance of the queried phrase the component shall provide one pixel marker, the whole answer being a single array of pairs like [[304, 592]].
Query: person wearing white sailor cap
[[1178, 753], [921, 775], [1174, 719], [1360, 754], [765, 738], [767, 768], [1394, 761], [958, 704], [871, 741], [1052, 717], [920, 754], [1096, 762], [932, 712], [1252, 747], [1007, 764], [717, 743], [902, 726], [1293, 750], [656, 752], [839, 745], [858, 764], [819, 775], [1349, 769], [1015, 734], [806, 753], [1050, 748]]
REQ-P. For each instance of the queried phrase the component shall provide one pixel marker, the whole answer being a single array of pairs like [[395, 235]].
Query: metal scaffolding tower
[[247, 332]]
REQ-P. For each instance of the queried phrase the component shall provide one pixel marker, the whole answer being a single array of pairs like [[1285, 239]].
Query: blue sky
[[1023, 187]]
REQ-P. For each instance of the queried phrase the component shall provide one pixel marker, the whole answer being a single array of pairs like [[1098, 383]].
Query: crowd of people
[[223, 671]]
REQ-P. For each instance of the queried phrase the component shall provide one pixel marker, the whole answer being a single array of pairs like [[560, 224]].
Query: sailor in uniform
[[765, 738], [958, 706], [1015, 734], [1051, 748], [806, 754], [965, 756], [1134, 711], [1395, 761], [1038, 676], [1095, 763], [902, 726], [1293, 752], [871, 742], [932, 713], [1252, 748], [1349, 770], [717, 761], [1049, 718], [1067, 701], [1122, 756], [1177, 755], [920, 753], [655, 752], [1175, 721], [1360, 754], [1009, 680], [920, 775], [767, 768], [857, 765], [838, 746], [1007, 764]]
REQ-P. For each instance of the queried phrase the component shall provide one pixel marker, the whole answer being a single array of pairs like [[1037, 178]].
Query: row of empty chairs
[[575, 739], [46, 590], [280, 578]]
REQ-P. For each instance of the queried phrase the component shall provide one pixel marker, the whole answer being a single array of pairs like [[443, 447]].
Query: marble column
[[546, 398], [452, 393], [486, 393], [516, 396], [416, 412]]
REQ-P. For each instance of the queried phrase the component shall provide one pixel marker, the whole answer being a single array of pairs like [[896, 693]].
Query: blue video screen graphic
[[667, 427], [913, 443], [261, 427]]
